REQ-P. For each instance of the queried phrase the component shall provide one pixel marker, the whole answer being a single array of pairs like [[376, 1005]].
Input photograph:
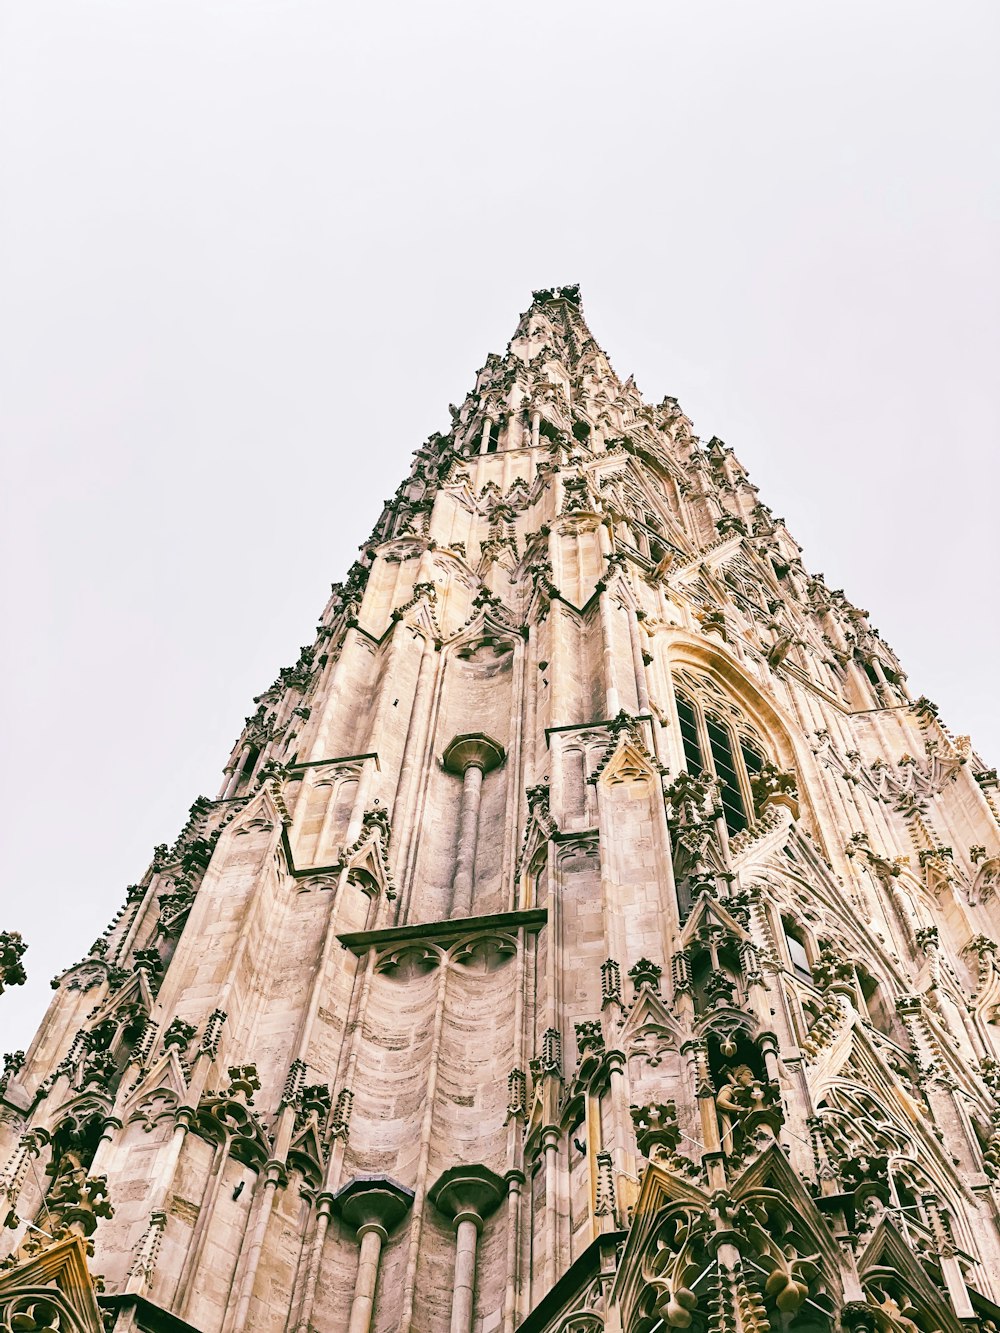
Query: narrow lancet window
[[725, 770], [689, 737]]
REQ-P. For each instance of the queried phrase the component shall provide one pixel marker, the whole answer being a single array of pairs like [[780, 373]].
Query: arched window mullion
[[717, 742], [751, 763], [727, 766], [694, 746]]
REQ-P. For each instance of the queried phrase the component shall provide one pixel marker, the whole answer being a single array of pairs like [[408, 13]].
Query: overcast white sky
[[250, 251]]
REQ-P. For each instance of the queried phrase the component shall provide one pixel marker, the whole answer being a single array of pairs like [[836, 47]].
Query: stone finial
[[213, 1032], [605, 1203], [244, 1081], [611, 983], [13, 1063], [645, 975], [551, 1061], [656, 1128], [517, 1094], [12, 947], [589, 1038], [341, 1119], [148, 961], [294, 1082], [179, 1033]]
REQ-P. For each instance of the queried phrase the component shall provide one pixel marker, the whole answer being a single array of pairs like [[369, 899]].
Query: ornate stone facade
[[591, 933]]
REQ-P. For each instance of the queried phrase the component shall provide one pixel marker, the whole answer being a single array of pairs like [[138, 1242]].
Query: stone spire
[[590, 932]]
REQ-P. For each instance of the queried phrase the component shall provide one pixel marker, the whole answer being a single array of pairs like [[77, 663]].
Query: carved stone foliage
[[676, 1256], [908, 783], [12, 948], [226, 1117]]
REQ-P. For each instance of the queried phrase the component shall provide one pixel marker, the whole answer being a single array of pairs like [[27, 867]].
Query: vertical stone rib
[[182, 1292], [263, 1202], [420, 1186], [612, 700], [408, 782]]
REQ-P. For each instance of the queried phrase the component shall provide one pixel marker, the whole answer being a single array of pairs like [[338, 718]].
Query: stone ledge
[[360, 941], [146, 1315]]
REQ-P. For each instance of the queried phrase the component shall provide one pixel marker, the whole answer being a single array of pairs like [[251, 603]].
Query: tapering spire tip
[[546, 295]]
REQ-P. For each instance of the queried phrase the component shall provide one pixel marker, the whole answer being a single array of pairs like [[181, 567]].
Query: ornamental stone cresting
[[592, 932]]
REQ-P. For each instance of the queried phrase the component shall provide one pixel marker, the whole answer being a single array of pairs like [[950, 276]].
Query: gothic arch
[[903, 1296], [849, 1110], [743, 691]]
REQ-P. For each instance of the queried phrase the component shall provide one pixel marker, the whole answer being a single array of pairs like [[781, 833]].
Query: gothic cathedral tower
[[591, 933]]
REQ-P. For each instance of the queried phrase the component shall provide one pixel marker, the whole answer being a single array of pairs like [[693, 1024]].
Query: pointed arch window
[[491, 441], [717, 742], [798, 953]]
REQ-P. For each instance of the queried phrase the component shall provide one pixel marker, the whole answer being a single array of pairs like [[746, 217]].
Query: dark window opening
[[656, 550], [689, 737], [879, 1011], [754, 762], [249, 763], [725, 770], [908, 1200]]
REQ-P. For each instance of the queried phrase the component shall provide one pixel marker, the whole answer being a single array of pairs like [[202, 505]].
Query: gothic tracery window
[[718, 742]]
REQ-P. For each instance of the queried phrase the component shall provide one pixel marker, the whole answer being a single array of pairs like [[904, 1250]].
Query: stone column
[[638, 665], [468, 840], [373, 1205], [235, 774], [484, 442], [466, 1195], [623, 1156], [471, 756], [550, 1147]]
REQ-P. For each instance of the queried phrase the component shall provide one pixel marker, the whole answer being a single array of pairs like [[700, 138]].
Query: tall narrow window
[[656, 548], [725, 770], [753, 761], [719, 742], [797, 953], [689, 737], [249, 763]]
